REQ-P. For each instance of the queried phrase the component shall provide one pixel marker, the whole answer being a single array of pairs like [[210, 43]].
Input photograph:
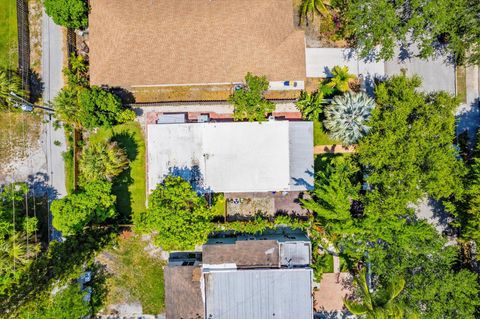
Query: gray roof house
[[237, 277]]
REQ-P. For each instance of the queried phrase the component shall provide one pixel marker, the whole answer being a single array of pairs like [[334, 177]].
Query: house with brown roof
[[236, 277], [146, 45]]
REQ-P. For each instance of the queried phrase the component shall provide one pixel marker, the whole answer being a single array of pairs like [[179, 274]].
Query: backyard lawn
[[8, 34], [320, 137], [129, 186]]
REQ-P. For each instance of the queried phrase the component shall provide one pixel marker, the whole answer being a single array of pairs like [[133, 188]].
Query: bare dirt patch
[[21, 152]]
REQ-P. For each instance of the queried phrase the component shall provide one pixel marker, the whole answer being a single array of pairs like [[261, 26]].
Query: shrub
[[346, 117], [249, 102]]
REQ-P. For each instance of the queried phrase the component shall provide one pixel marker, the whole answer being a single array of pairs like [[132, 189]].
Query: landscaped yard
[[320, 137], [8, 34], [129, 186], [136, 275]]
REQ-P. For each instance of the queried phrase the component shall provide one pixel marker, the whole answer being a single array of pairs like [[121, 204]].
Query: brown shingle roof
[[245, 254], [152, 42], [183, 296]]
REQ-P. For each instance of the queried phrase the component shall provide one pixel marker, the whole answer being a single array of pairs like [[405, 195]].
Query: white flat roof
[[233, 156]]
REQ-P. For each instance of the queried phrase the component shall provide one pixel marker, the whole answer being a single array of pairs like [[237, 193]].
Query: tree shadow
[[126, 96], [122, 182], [36, 86]]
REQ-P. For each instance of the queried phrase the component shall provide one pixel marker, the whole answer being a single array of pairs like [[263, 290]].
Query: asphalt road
[[52, 64]]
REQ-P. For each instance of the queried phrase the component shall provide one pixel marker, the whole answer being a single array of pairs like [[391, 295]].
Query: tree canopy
[[94, 203], [179, 215], [90, 107], [378, 26], [249, 103], [68, 13], [409, 151]]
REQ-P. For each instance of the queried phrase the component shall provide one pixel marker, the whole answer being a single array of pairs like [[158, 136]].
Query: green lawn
[[129, 187], [320, 137], [136, 276], [8, 34]]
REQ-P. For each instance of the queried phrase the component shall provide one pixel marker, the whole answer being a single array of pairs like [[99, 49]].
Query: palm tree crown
[[9, 82], [312, 7], [346, 117], [379, 304], [341, 78], [102, 161]]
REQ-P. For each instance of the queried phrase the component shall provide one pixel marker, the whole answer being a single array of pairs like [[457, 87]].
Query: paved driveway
[[436, 73]]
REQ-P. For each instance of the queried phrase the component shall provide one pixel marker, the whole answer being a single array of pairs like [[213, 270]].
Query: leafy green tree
[[466, 206], [68, 13], [434, 288], [180, 216], [341, 79], [249, 102], [90, 107], [102, 161], [335, 190], [99, 107], [450, 24], [378, 304], [9, 82], [409, 151], [93, 204], [347, 116], [310, 105], [311, 8]]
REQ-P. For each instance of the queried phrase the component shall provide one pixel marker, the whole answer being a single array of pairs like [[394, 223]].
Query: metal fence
[[23, 43]]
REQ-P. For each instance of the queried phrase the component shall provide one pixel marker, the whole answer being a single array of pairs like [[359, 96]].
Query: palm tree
[[309, 104], [341, 78], [9, 82], [379, 304], [346, 117], [312, 7], [102, 161]]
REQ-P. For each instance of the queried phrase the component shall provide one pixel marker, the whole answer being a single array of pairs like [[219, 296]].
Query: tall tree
[[17, 243], [335, 190], [347, 116], [90, 107], [378, 26], [68, 13], [409, 151], [93, 204], [248, 102], [179, 215]]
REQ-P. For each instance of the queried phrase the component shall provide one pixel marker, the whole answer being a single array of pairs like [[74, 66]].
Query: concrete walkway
[[468, 114]]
